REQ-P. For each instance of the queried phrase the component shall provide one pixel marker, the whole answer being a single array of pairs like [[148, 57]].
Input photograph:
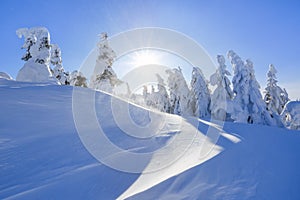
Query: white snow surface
[[42, 156]]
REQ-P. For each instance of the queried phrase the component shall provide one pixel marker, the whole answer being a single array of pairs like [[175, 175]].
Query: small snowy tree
[[37, 57], [222, 95], [200, 95], [157, 99], [78, 79], [145, 92], [104, 78], [58, 70], [275, 97], [179, 93], [248, 105]]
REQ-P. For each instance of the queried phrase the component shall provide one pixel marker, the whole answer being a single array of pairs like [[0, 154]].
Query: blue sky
[[264, 31]]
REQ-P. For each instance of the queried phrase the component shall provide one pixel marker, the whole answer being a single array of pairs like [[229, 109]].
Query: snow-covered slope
[[42, 156]]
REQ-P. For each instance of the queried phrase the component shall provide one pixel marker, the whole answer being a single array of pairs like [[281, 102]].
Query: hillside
[[42, 155]]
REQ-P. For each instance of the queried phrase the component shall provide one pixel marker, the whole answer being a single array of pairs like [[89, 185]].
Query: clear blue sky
[[264, 31]]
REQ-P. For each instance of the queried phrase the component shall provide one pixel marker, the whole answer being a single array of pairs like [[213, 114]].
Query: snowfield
[[42, 156]]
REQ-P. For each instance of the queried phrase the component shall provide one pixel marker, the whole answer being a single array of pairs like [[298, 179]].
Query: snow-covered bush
[[179, 93], [4, 75], [291, 115], [200, 94], [37, 56], [222, 95], [104, 78], [275, 97], [58, 70], [78, 79]]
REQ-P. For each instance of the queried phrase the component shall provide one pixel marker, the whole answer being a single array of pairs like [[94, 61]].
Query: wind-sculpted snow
[[42, 156], [264, 165]]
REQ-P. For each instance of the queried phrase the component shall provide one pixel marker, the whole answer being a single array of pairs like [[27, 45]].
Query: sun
[[145, 57]]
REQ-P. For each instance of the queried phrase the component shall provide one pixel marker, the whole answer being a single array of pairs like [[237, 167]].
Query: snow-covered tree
[[163, 101], [275, 97], [37, 57], [257, 108], [58, 70], [106, 81], [222, 95], [248, 105], [157, 99], [104, 78], [78, 79], [30, 40], [239, 111], [145, 92], [179, 93], [200, 95]]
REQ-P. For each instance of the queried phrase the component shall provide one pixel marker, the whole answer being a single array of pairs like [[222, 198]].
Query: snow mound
[[4, 75], [32, 72], [42, 156], [291, 115]]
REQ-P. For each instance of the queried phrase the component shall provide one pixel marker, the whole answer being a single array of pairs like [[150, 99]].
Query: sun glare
[[145, 57]]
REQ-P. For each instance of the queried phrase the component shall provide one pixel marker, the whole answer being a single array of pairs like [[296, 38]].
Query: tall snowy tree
[[257, 108], [104, 78], [163, 101], [179, 93], [222, 95], [248, 105], [200, 95], [58, 70], [37, 57], [240, 81], [275, 97]]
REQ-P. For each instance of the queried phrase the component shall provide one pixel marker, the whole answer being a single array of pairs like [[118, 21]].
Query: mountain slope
[[42, 156]]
